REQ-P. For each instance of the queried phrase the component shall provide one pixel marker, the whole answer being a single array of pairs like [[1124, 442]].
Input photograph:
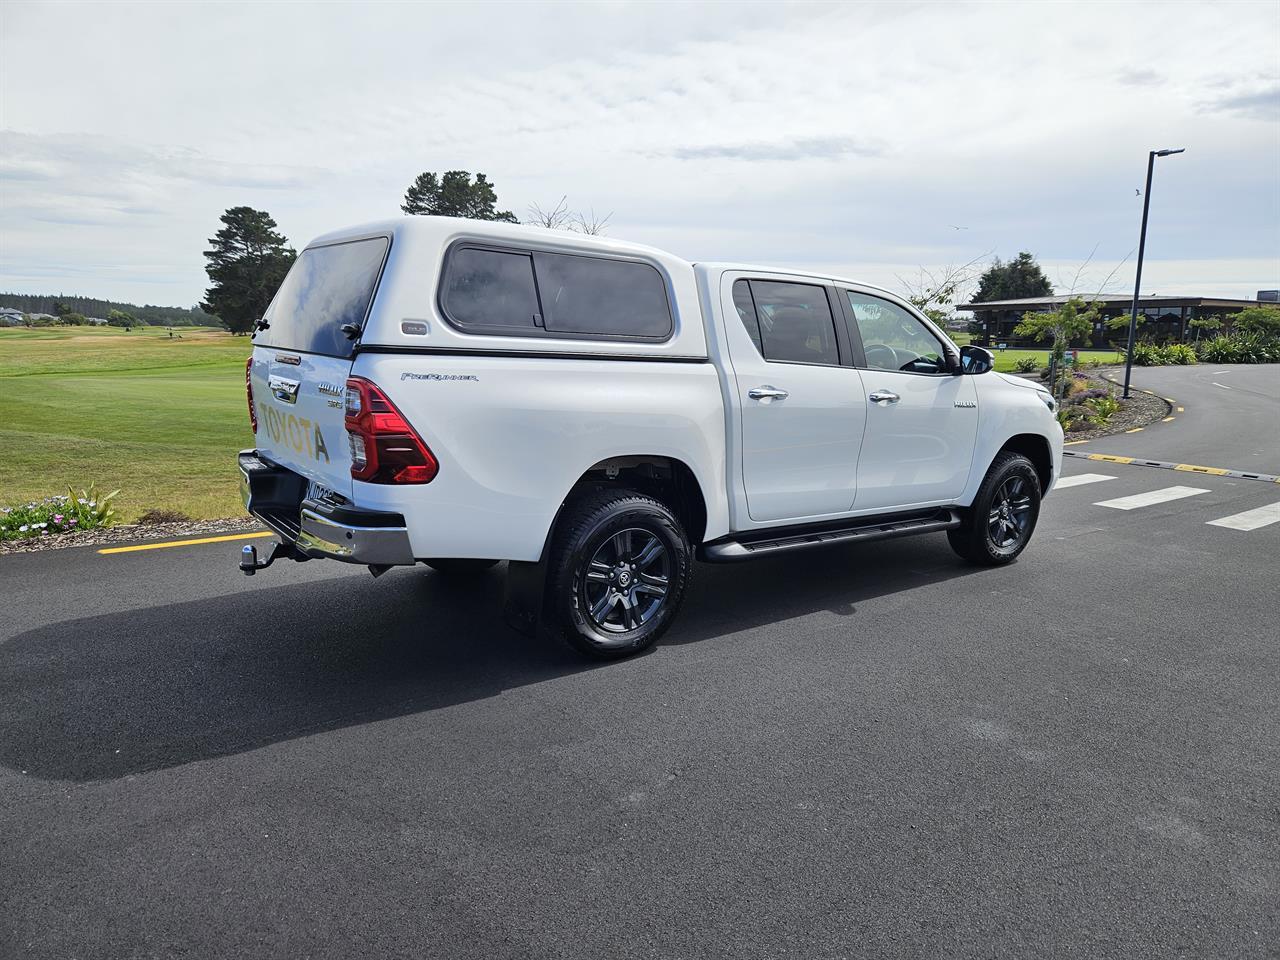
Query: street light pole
[[1142, 246]]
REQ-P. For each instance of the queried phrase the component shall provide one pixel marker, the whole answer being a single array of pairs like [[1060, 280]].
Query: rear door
[[302, 358], [802, 403]]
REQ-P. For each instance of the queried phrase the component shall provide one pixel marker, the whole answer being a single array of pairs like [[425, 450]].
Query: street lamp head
[[1165, 153]]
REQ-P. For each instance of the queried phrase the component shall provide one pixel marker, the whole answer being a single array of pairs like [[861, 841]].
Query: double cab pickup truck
[[601, 414]]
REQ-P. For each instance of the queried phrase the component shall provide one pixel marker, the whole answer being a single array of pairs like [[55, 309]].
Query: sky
[[868, 140]]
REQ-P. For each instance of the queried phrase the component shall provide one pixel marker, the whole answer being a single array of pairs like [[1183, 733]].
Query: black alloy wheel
[[625, 583], [617, 572], [999, 524], [1009, 520]]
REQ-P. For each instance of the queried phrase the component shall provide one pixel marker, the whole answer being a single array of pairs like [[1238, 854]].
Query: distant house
[[95, 321], [10, 317]]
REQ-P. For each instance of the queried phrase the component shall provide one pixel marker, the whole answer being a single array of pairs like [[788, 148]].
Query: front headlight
[[1048, 401]]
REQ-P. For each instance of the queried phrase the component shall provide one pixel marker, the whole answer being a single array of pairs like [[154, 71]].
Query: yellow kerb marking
[[1192, 468], [1110, 459], [185, 543], [1169, 400], [1136, 430], [1167, 419], [1072, 443]]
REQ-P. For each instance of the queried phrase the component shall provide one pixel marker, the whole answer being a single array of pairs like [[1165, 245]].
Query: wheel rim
[[1010, 519], [625, 584]]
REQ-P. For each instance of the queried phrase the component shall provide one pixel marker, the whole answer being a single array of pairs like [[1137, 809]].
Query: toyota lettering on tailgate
[[299, 433]]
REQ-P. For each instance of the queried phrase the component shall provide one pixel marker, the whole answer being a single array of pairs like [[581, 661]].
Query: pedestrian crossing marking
[[1080, 479], [1151, 498], [1250, 519]]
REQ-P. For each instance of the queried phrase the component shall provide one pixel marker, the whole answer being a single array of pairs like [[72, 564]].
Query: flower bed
[[57, 515]]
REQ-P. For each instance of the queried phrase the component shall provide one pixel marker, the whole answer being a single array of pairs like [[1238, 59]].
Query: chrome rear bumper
[[317, 528]]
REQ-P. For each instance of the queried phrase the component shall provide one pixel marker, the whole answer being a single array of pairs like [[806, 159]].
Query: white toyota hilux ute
[[599, 414]]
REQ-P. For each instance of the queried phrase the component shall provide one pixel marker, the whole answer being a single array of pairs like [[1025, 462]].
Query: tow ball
[[250, 564]]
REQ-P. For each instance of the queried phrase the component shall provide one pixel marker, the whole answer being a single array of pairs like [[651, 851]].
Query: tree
[[72, 319], [1020, 277], [1263, 321], [454, 194], [560, 217], [1204, 324], [1071, 321], [934, 291], [247, 264], [118, 318]]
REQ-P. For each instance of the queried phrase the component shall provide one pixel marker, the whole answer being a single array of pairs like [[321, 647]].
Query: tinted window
[[326, 288], [747, 311], [795, 322], [491, 288], [590, 295], [892, 338]]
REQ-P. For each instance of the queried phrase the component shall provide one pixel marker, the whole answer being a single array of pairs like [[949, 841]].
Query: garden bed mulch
[[131, 533]]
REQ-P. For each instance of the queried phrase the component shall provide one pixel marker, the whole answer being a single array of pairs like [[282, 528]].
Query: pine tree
[[248, 262], [454, 194]]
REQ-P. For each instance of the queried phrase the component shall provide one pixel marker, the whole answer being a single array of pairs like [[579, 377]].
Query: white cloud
[[799, 134]]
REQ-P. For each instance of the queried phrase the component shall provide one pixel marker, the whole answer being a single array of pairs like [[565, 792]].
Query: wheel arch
[[1036, 449], [665, 478]]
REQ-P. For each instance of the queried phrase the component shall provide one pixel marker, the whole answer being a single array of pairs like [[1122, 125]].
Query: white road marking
[[1222, 385], [1250, 519], [1080, 479], [1151, 498]]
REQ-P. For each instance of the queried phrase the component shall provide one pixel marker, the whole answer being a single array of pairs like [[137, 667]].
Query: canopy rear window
[[327, 288]]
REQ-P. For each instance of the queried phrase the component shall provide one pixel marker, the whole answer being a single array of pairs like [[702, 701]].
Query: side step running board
[[767, 543]]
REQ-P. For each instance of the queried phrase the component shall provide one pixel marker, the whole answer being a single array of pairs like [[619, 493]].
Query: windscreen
[[327, 288]]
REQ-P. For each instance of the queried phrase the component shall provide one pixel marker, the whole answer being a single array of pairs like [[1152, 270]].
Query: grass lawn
[[1005, 359], [159, 419]]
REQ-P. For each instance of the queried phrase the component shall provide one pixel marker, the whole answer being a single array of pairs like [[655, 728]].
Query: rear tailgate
[[298, 399], [302, 358]]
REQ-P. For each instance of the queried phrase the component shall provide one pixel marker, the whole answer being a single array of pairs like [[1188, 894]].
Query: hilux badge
[[966, 403]]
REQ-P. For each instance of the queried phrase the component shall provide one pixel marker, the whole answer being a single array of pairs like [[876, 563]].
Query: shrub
[[1240, 348], [52, 515], [1026, 365], [1104, 408], [1148, 355], [1154, 355]]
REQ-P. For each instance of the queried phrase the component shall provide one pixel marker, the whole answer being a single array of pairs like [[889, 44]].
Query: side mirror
[[976, 360]]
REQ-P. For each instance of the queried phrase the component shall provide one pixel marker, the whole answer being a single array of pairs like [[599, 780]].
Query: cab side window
[[793, 321], [892, 338]]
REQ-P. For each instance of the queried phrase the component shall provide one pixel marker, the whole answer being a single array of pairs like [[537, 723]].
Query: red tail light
[[384, 448], [248, 390]]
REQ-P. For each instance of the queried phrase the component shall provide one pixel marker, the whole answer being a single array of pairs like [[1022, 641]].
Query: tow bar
[[250, 564]]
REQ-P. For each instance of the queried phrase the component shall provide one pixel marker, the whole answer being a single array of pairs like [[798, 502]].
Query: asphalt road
[[1230, 417], [865, 751]]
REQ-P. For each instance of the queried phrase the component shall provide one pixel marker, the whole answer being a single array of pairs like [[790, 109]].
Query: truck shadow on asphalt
[[104, 697]]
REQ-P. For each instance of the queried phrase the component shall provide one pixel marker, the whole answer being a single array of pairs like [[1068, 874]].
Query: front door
[[922, 421], [803, 411]]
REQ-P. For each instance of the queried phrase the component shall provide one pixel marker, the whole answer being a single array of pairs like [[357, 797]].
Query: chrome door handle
[[767, 392], [884, 396]]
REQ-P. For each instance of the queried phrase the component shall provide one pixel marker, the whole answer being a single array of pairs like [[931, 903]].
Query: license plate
[[318, 491]]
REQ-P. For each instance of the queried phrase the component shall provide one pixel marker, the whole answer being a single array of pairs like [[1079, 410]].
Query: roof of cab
[[436, 227]]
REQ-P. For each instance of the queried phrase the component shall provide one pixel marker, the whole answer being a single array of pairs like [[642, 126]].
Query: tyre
[[619, 567], [999, 524], [459, 567]]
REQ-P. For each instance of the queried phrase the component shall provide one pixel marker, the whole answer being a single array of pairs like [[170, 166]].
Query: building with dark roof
[[1167, 318]]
